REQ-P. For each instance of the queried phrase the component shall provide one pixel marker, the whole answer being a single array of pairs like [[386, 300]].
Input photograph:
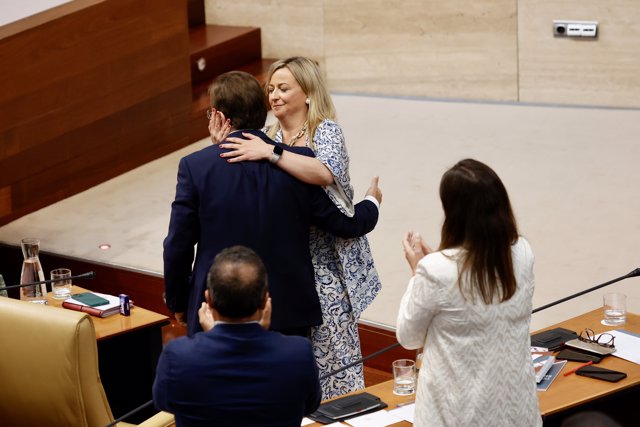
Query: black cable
[[357, 362], [633, 273], [88, 275], [128, 414]]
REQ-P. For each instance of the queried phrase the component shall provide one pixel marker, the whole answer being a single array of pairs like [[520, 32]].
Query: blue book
[[551, 375], [541, 365]]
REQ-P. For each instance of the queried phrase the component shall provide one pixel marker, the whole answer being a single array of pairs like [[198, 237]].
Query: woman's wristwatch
[[275, 155]]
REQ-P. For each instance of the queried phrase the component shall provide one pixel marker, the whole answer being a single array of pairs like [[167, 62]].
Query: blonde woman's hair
[[307, 74]]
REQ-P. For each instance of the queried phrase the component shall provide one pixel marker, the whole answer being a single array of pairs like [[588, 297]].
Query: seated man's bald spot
[[243, 272]]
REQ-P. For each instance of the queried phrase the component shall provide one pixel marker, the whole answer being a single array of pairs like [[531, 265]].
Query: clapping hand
[[374, 190], [414, 249], [205, 317], [180, 318]]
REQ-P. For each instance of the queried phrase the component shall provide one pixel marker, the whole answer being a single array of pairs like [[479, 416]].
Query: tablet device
[[601, 373]]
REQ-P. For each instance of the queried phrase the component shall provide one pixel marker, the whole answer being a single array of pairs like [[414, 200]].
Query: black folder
[[347, 407], [552, 339]]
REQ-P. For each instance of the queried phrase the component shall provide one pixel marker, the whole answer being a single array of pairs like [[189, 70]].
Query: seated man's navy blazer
[[237, 375], [255, 204]]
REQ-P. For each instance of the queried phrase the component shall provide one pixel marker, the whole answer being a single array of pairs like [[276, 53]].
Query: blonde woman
[[346, 278]]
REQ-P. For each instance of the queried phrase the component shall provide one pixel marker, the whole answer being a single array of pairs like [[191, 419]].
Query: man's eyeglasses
[[604, 340]]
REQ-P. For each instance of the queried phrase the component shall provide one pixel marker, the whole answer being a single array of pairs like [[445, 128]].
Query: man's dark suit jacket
[[255, 204], [237, 375]]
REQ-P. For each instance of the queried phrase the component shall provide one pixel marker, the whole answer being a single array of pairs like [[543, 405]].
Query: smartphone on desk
[[601, 373], [91, 299], [577, 356]]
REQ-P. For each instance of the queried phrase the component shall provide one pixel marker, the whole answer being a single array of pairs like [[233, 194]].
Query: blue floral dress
[[346, 278]]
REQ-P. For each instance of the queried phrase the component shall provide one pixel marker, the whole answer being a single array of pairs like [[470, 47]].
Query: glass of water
[[404, 377], [61, 283], [615, 309]]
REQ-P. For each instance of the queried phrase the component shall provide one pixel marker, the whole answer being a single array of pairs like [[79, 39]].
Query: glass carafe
[[32, 272], [3, 292]]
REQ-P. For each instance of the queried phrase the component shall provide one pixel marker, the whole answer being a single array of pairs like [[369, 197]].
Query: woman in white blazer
[[469, 305]]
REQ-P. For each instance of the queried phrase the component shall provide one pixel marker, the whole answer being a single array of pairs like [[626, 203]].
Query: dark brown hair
[[237, 282], [241, 98], [479, 219]]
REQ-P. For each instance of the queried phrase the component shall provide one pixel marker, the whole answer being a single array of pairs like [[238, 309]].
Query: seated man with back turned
[[238, 373]]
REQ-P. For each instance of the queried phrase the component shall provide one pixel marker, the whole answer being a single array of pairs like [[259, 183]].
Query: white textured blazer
[[477, 368]]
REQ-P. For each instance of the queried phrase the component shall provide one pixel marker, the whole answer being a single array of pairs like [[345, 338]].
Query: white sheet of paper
[[374, 419], [306, 421], [627, 346], [404, 412]]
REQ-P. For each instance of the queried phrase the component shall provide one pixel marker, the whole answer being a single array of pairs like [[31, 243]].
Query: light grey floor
[[571, 172]]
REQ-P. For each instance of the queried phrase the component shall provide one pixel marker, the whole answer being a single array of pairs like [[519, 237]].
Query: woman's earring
[[307, 101]]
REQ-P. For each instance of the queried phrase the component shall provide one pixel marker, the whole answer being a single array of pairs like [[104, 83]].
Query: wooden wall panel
[[5, 201], [288, 27], [195, 12], [602, 71], [453, 49], [89, 93], [493, 50]]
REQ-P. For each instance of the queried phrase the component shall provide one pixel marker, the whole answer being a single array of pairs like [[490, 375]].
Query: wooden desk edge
[[106, 327], [384, 390], [548, 405]]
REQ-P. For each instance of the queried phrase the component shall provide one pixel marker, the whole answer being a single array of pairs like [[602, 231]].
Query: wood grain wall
[[605, 71], [89, 90], [492, 50]]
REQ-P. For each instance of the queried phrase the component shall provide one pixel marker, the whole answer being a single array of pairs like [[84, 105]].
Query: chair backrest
[[49, 368]]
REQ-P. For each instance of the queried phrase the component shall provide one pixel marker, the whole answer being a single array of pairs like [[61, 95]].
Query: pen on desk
[[400, 405], [571, 371]]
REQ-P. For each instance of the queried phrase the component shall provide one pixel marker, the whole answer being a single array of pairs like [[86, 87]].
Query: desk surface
[[385, 392], [565, 392], [574, 390], [107, 327]]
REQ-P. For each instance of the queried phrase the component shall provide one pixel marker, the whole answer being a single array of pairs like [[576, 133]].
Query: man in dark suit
[[255, 204], [237, 373]]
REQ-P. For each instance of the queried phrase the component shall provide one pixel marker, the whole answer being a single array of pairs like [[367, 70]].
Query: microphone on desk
[[87, 275], [633, 273]]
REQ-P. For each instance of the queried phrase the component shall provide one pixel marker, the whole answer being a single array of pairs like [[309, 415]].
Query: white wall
[[14, 10], [571, 173]]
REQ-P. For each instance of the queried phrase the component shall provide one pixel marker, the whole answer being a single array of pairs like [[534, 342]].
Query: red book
[[100, 311]]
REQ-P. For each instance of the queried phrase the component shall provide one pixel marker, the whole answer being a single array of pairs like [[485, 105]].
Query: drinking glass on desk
[[615, 309], [404, 377], [61, 284]]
